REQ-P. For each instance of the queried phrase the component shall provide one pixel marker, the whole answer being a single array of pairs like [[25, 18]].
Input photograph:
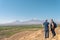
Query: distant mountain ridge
[[29, 22]]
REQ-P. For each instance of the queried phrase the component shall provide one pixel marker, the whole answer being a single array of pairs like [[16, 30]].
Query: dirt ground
[[34, 35]]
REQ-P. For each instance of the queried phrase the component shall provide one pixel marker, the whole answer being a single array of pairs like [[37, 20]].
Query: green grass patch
[[7, 31]]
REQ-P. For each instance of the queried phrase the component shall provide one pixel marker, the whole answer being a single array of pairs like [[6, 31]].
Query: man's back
[[46, 25]]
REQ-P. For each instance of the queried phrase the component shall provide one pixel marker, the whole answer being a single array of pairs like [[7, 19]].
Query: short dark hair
[[52, 20], [46, 20]]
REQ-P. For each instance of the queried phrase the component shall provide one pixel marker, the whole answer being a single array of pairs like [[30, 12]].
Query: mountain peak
[[17, 21]]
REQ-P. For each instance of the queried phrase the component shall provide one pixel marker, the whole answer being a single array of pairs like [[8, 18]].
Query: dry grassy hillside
[[34, 35]]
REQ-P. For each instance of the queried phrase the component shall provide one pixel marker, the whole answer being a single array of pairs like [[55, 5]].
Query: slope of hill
[[36, 35]]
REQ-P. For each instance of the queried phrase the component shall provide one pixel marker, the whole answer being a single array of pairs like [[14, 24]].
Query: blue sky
[[11, 10]]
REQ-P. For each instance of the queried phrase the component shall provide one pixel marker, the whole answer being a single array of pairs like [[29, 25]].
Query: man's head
[[46, 20], [51, 20]]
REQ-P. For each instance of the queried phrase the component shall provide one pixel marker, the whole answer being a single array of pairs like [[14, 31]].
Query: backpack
[[55, 25]]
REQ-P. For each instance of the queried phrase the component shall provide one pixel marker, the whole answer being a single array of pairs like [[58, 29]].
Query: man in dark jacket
[[46, 26], [53, 25]]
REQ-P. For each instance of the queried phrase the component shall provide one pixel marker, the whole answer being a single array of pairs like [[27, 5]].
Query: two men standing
[[52, 26]]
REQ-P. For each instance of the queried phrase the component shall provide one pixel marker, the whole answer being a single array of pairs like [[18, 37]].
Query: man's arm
[[52, 25], [49, 27]]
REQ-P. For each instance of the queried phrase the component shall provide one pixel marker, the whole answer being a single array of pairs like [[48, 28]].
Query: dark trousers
[[46, 33], [53, 32]]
